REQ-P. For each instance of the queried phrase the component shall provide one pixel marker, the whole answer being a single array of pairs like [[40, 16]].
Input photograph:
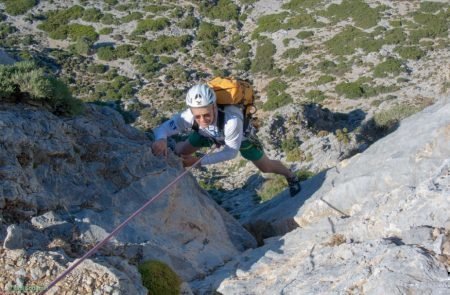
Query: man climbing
[[204, 118]]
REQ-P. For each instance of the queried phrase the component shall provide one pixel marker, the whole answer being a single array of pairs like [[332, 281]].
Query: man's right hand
[[159, 147]]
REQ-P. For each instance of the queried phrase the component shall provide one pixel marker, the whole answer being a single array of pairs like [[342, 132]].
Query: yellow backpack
[[233, 91]]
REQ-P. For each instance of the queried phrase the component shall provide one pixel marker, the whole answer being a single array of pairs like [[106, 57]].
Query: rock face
[[378, 223], [68, 182]]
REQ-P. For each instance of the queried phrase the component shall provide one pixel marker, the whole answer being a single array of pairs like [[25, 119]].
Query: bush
[[159, 278], [389, 67], [77, 31], [431, 7], [26, 80], [362, 14], [324, 80], [395, 36], [411, 52], [305, 34], [154, 25], [351, 38], [17, 7], [106, 53], [263, 61], [165, 44], [315, 96], [97, 68], [350, 90], [272, 187], [224, 10], [293, 53], [92, 15], [276, 95], [389, 118], [189, 22], [109, 19], [131, 17], [106, 31], [57, 19], [208, 31]]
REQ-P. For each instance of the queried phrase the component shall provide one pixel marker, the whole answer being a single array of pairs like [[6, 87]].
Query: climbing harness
[[118, 228]]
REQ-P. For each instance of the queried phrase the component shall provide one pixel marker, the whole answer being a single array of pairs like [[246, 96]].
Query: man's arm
[[178, 123]]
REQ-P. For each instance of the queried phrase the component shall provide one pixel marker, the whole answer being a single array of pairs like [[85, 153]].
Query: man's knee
[[184, 148]]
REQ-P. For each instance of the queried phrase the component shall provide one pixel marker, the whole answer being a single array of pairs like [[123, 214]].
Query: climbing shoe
[[294, 185]]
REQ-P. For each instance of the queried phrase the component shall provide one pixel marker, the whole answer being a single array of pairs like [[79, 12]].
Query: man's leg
[[185, 148]]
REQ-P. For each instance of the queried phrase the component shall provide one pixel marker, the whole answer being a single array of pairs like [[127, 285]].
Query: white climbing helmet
[[200, 95]]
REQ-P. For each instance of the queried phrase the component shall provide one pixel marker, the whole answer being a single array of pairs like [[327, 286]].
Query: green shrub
[[149, 24], [157, 9], [293, 53], [362, 14], [272, 187], [6, 30], [109, 19], [159, 278], [386, 119], [276, 95], [300, 4], [304, 174], [164, 44], [433, 25], [431, 7], [26, 80], [224, 10], [269, 23], [315, 96], [350, 90], [135, 15], [106, 53], [305, 34], [389, 67], [82, 46], [395, 36], [97, 68], [411, 52], [263, 61], [56, 19], [343, 136], [77, 31], [351, 38], [17, 7], [92, 15], [295, 155], [189, 22], [324, 80], [208, 31], [106, 31]]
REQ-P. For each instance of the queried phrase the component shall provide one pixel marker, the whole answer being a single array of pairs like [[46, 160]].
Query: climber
[[203, 118]]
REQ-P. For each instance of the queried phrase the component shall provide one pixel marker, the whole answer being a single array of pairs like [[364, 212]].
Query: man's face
[[203, 116]]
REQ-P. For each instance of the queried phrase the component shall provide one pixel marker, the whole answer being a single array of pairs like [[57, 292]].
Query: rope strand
[[118, 228]]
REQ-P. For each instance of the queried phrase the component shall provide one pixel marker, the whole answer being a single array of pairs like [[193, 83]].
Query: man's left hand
[[189, 160]]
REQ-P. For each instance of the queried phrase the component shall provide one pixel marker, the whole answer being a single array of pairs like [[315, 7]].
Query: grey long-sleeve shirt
[[232, 134]]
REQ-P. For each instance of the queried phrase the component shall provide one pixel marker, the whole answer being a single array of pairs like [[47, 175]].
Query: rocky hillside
[[68, 182], [377, 223]]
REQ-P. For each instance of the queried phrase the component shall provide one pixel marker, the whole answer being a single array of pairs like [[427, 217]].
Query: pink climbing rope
[[118, 228]]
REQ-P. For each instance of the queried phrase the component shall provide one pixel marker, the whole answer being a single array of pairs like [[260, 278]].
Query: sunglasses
[[204, 116]]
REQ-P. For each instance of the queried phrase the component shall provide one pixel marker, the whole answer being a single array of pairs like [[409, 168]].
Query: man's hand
[[159, 147], [189, 160]]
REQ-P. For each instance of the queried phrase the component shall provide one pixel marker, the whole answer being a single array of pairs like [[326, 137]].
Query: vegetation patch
[[263, 61], [164, 44], [351, 38], [159, 278], [387, 119], [293, 53], [151, 24], [391, 66], [315, 96], [410, 52], [324, 80], [208, 31], [276, 95], [17, 7], [224, 10], [272, 187], [26, 81], [58, 18], [362, 14]]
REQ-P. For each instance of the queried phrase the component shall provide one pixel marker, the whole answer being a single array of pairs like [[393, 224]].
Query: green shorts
[[250, 149]]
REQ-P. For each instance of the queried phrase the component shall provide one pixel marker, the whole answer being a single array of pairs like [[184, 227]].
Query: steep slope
[[376, 224], [67, 182]]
